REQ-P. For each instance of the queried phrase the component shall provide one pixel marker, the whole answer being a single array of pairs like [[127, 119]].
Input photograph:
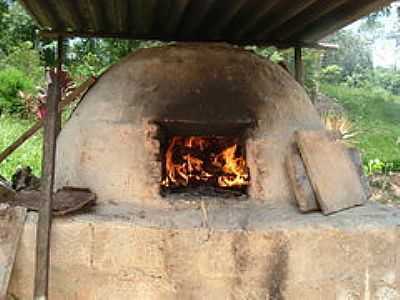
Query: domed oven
[[184, 120]]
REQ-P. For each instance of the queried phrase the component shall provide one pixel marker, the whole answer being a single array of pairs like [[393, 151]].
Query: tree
[[16, 26], [354, 53]]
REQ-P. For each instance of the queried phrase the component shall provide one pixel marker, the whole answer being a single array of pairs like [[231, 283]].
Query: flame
[[234, 167], [192, 160]]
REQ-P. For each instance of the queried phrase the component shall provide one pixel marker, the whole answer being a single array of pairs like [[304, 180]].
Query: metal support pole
[[45, 213], [298, 65]]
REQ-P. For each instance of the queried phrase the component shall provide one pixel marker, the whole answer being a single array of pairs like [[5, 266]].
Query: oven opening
[[205, 166]]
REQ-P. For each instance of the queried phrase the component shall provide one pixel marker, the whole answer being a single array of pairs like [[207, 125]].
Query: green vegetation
[[12, 81], [29, 154], [371, 95], [376, 114]]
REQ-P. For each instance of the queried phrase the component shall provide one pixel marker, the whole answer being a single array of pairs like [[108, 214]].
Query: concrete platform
[[231, 252]]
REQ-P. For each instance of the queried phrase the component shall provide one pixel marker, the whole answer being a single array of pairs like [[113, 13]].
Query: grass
[[29, 154], [376, 115]]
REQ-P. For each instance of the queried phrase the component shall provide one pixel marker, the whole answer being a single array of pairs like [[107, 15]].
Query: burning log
[[192, 162]]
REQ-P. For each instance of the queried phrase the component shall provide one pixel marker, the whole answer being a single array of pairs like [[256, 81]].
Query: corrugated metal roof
[[236, 21]]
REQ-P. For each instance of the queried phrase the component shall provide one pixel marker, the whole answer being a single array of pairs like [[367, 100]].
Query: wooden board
[[67, 200], [300, 183], [334, 178], [12, 220]]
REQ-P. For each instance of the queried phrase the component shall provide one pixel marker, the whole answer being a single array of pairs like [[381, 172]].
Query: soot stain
[[240, 252], [278, 271]]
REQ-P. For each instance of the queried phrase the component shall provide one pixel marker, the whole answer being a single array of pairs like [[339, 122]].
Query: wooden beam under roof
[[129, 36]]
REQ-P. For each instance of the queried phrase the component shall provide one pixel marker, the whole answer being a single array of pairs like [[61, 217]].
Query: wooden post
[[298, 65], [45, 213], [60, 59]]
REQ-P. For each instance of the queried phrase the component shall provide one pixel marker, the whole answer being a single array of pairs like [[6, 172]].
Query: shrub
[[331, 74], [388, 79], [27, 60], [12, 81]]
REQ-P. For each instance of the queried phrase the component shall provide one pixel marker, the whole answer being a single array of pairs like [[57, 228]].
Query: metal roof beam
[[68, 13], [313, 13], [283, 16], [341, 17], [39, 9], [253, 21], [226, 18], [93, 14], [196, 13], [175, 18], [117, 14]]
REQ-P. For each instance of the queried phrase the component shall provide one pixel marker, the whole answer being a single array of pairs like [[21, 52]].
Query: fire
[[196, 160], [234, 167]]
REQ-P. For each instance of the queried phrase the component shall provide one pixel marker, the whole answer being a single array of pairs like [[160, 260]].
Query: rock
[[24, 180]]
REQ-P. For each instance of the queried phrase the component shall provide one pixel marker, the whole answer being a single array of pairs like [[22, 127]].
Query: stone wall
[[239, 253]]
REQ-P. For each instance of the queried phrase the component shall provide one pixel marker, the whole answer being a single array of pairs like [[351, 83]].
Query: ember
[[198, 161]]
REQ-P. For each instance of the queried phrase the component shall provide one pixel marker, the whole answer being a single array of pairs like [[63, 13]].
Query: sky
[[385, 52]]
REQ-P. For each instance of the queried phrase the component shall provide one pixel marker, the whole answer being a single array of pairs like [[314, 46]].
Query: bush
[[388, 79], [331, 74], [12, 81], [27, 60]]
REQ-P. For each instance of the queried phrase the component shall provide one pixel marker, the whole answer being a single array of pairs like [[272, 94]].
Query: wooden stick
[[45, 212], [31, 131], [236, 41]]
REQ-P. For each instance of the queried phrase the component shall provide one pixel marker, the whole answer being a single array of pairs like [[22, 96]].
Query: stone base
[[231, 252]]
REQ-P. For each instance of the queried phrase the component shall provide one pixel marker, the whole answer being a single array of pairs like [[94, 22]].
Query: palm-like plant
[[341, 128]]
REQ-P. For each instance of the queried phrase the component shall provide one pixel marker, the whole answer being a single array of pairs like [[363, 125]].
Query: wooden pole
[[60, 57], [298, 65], [44, 223]]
